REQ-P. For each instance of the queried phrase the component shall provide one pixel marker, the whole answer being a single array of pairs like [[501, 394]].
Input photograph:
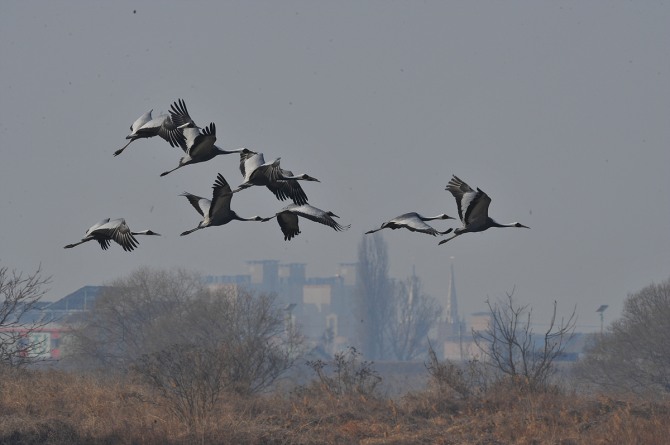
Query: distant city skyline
[[448, 299]]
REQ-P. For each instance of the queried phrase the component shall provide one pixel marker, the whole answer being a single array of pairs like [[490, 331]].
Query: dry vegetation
[[192, 394], [53, 407]]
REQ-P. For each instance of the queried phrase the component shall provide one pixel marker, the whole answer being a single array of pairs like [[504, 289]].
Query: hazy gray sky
[[560, 111]]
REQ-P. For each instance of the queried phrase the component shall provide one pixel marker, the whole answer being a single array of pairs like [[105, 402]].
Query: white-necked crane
[[288, 219], [415, 222], [216, 212], [198, 142], [146, 127], [283, 183], [116, 230], [473, 209]]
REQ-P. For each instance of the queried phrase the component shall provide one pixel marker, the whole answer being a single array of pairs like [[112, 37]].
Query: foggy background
[[558, 110]]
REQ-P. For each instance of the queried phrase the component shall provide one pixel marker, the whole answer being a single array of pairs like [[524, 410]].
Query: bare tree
[[20, 319], [188, 379], [414, 315], [125, 322], [220, 343], [633, 355], [190, 343], [510, 346], [374, 291]]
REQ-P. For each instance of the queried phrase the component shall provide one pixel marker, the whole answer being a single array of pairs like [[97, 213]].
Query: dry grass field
[[53, 407]]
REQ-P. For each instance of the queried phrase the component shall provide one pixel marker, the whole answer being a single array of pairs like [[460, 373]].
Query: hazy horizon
[[559, 111]]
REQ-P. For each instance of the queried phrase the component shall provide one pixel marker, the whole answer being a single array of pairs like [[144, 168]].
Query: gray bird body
[[473, 209], [282, 183], [198, 143], [147, 126], [414, 222], [116, 230], [216, 212], [288, 219]]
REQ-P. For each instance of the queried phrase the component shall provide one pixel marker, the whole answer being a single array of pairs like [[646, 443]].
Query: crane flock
[[198, 143]]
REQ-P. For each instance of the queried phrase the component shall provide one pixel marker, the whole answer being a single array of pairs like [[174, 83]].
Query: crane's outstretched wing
[[200, 204], [416, 225], [288, 219], [288, 222], [250, 161], [317, 215], [288, 189], [179, 114], [221, 196], [119, 231]]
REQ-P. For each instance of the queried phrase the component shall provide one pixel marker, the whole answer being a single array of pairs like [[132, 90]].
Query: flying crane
[[216, 212], [414, 222], [116, 230], [473, 209]]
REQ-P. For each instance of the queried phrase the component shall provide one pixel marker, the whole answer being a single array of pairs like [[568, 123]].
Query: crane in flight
[[473, 209], [216, 212], [116, 230], [283, 183], [198, 143], [288, 219], [147, 126], [414, 222]]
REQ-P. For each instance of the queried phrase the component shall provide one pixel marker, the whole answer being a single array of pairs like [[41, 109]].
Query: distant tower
[[450, 327], [451, 312]]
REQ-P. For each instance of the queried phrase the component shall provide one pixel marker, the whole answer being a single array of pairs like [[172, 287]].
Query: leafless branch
[[511, 347], [20, 319]]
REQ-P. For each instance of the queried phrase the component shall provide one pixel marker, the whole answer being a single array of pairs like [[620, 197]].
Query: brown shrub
[[56, 408]]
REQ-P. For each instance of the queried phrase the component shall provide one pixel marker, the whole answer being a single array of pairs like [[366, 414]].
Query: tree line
[[194, 344]]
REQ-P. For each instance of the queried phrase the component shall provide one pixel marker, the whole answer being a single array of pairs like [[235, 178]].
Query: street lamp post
[[601, 311]]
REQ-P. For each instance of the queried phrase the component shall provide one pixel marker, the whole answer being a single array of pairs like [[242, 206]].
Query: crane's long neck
[[302, 177], [120, 150], [242, 186], [70, 246], [456, 233], [221, 151], [200, 226], [494, 223], [432, 218], [240, 218], [182, 162]]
